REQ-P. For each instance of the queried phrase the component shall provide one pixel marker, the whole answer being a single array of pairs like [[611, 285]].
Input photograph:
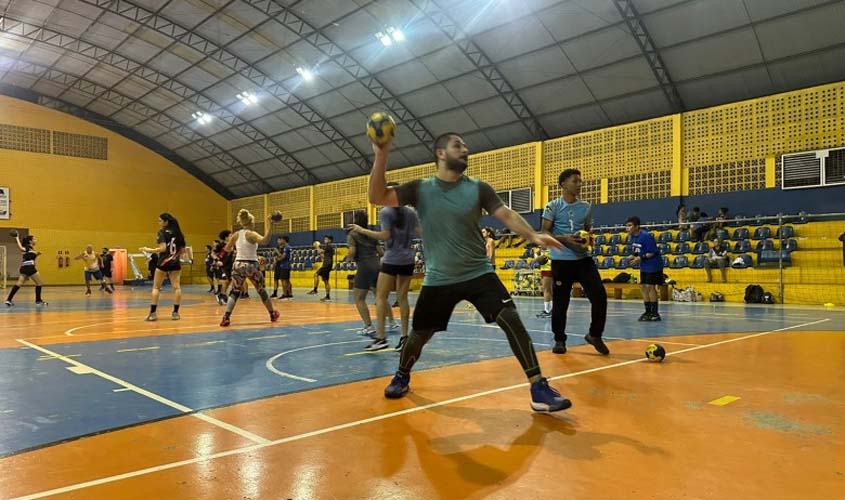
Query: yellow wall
[[68, 202]]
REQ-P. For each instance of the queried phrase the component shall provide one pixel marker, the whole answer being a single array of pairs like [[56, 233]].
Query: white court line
[[273, 369], [78, 367], [202, 344], [319, 333], [268, 337], [48, 358], [356, 423], [651, 341], [151, 348]]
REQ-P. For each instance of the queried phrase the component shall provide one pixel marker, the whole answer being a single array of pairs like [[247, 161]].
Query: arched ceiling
[[502, 72]]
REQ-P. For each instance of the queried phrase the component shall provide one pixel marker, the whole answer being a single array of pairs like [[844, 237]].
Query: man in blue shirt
[[449, 206], [647, 255], [281, 271], [564, 218]]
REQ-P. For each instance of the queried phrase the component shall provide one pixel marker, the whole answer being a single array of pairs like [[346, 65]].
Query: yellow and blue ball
[[655, 352], [381, 128]]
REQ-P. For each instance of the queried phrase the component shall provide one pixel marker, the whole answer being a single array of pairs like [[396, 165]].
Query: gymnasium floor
[[97, 404]]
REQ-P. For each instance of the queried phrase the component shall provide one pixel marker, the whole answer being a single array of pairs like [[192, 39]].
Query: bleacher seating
[[785, 232], [740, 234], [615, 239], [679, 262], [742, 246], [682, 248], [665, 237], [762, 233], [701, 247], [698, 262], [683, 236], [608, 263], [746, 262], [764, 245]]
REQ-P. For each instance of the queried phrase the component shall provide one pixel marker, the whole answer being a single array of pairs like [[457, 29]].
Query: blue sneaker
[[398, 386], [546, 399]]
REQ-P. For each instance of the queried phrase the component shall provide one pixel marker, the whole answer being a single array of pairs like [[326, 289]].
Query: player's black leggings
[[583, 271]]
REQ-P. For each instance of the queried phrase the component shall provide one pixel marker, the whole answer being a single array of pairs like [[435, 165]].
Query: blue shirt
[[284, 258], [399, 249], [644, 243], [568, 219]]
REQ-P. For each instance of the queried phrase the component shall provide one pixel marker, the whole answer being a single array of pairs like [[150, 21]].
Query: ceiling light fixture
[[390, 35], [201, 117], [305, 73], [397, 34], [247, 98]]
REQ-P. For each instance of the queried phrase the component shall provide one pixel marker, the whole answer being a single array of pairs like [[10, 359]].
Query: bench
[[617, 288]]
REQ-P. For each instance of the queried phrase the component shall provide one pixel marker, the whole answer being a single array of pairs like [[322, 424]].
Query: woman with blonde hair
[[246, 266], [171, 245]]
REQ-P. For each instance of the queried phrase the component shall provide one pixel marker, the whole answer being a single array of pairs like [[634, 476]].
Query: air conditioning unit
[[519, 200], [809, 169]]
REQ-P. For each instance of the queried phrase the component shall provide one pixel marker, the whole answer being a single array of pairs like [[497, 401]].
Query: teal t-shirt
[[568, 218], [450, 216]]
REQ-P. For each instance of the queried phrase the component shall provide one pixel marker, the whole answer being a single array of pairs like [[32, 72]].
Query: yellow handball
[[588, 238], [381, 128], [829, 304]]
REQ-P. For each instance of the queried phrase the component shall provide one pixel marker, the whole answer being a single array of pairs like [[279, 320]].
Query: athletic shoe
[[598, 343], [401, 344], [376, 345], [312, 292], [545, 398], [393, 327], [644, 317], [367, 331], [225, 321], [40, 303], [398, 386], [87, 292], [175, 316], [108, 290], [544, 314], [654, 317], [326, 299], [274, 296], [9, 303], [150, 317], [395, 304], [274, 316], [559, 347], [220, 300]]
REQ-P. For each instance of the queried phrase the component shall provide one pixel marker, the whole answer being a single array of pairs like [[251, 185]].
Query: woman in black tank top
[[27, 269], [171, 245]]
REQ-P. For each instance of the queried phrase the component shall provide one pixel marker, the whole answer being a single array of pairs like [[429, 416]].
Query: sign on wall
[[4, 202]]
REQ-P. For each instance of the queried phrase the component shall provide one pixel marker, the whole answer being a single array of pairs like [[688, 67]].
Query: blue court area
[[42, 401], [74, 299]]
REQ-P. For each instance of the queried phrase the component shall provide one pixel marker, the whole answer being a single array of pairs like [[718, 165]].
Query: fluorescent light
[[305, 73], [201, 117], [384, 39], [397, 34], [247, 98]]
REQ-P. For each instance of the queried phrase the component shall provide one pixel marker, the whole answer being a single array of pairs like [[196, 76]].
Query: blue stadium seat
[[509, 264], [765, 245], [627, 250], [309, 265], [664, 248], [683, 236], [698, 263], [725, 245], [597, 250], [773, 257], [742, 246], [608, 263], [790, 245], [679, 262], [521, 264], [682, 248], [611, 250], [737, 222], [740, 234], [665, 261], [701, 247], [615, 239], [665, 237], [622, 263], [762, 233], [785, 232], [596, 261], [600, 240], [722, 234]]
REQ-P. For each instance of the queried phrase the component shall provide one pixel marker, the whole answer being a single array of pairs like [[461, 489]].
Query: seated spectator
[[721, 218], [842, 239], [701, 227], [718, 257], [695, 214], [682, 218]]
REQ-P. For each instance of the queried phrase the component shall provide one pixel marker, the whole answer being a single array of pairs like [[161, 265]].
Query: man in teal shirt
[[449, 207]]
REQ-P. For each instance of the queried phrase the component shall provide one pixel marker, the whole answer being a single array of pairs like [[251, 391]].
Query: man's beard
[[458, 164]]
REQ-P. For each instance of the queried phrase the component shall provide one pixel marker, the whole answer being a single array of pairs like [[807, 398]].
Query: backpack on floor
[[717, 297], [754, 294], [622, 278], [768, 298], [687, 294]]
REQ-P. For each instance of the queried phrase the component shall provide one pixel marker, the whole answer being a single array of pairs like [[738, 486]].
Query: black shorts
[[210, 272], [107, 274], [170, 266], [651, 278], [28, 271], [323, 273], [97, 275], [281, 274], [398, 270], [435, 303]]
